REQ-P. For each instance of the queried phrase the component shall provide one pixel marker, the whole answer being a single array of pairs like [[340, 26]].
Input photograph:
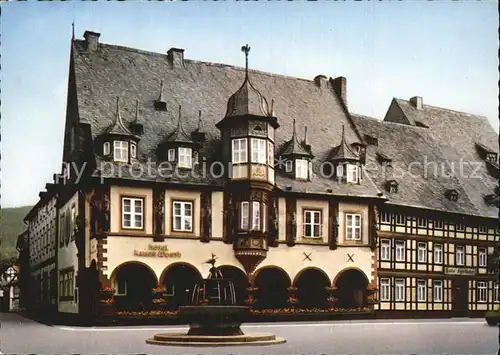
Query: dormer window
[[185, 157], [106, 148], [452, 195], [171, 155], [120, 151], [392, 186], [301, 169], [252, 216], [133, 150], [491, 157], [289, 166]]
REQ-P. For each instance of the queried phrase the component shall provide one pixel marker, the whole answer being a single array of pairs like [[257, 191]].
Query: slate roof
[[247, 101], [343, 151], [179, 135], [134, 75], [451, 136], [118, 127]]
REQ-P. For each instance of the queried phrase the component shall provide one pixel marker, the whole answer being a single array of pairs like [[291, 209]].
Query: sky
[[445, 52]]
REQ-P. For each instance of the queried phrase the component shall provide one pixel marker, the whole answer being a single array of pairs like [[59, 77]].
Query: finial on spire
[[305, 135], [272, 107], [294, 133], [246, 50], [199, 120], [136, 110], [179, 124], [343, 134], [117, 114], [73, 30]]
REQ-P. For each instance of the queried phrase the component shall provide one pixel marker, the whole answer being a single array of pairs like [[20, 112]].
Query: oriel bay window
[[182, 216], [239, 152], [252, 216], [132, 213], [353, 226], [312, 224], [258, 150]]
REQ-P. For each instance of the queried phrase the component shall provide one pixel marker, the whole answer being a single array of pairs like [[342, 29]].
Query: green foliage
[[11, 225]]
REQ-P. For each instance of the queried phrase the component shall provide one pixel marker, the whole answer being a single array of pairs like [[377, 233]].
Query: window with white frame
[[106, 148], [352, 173], [258, 150], [459, 255], [400, 219], [482, 291], [399, 290], [270, 153], [482, 257], [185, 157], [239, 151], [340, 170], [422, 252], [385, 249], [245, 208], [171, 154], [400, 250], [421, 290], [483, 228], [73, 221], [132, 212], [120, 287], [183, 216], [120, 149], [496, 296], [459, 227], [301, 168], [385, 289], [437, 291], [421, 222], [438, 224], [438, 253], [312, 224], [255, 215], [385, 217], [353, 226], [133, 150], [288, 166]]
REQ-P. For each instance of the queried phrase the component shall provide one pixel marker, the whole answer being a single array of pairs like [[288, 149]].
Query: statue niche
[[335, 233], [99, 216], [207, 219], [274, 224], [159, 216]]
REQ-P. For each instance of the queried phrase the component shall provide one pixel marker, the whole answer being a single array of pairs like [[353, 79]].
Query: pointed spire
[[294, 134], [272, 108], [179, 123], [136, 120], [73, 30], [246, 50], [118, 127], [305, 135], [179, 136], [294, 147], [343, 151]]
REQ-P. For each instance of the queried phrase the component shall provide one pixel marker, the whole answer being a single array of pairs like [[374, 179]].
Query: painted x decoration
[[350, 257], [307, 256]]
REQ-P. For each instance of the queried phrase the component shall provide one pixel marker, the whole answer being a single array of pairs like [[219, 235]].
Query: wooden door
[[460, 297]]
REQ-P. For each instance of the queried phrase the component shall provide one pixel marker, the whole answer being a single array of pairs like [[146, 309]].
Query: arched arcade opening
[[311, 284], [179, 280], [351, 288], [272, 283], [239, 279], [133, 284]]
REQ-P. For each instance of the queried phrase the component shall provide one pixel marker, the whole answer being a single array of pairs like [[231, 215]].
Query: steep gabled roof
[[133, 74], [426, 166]]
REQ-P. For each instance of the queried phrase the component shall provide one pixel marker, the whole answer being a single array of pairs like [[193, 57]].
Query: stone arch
[[351, 284], [311, 283], [272, 283], [256, 273], [240, 281], [179, 280], [133, 282]]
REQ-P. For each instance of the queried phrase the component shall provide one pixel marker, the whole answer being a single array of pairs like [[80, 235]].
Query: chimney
[[417, 102], [176, 57], [92, 39], [340, 87], [321, 81]]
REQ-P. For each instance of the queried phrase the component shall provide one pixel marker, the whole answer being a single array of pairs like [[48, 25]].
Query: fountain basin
[[214, 320]]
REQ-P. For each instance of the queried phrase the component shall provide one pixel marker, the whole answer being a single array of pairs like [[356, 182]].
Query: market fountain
[[214, 318]]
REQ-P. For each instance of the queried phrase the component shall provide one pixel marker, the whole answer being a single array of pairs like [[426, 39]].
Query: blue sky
[[445, 52]]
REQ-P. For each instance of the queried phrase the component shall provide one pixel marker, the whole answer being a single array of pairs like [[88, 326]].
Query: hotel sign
[[160, 251], [462, 271]]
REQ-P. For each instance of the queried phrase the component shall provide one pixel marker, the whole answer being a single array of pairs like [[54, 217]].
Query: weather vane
[[246, 50]]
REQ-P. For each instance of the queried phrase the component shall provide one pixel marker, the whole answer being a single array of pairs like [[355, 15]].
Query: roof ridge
[[194, 61], [445, 109]]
